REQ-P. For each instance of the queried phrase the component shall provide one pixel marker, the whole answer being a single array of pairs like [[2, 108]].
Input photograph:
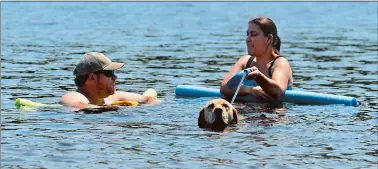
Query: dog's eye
[[225, 105], [211, 106]]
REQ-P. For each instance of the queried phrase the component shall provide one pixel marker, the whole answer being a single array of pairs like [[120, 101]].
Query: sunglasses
[[107, 73]]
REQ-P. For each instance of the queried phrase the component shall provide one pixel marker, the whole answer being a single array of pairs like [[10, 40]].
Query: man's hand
[[153, 100]]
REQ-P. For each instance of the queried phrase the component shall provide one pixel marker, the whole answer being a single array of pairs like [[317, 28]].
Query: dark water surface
[[332, 48]]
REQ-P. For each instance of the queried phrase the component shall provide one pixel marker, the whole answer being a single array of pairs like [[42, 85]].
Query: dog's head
[[217, 114]]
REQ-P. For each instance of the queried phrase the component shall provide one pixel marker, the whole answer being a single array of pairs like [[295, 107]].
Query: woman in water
[[270, 70]]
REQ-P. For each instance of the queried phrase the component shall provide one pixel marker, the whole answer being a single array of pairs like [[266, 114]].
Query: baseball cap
[[93, 62]]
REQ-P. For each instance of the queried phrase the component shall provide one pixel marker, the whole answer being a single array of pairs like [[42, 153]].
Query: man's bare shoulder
[[74, 94], [73, 97]]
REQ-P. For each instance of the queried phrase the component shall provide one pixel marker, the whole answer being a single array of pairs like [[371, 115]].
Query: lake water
[[332, 48]]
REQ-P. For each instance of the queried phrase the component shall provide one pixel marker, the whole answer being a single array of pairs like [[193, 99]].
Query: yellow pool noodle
[[149, 92], [25, 102], [125, 103], [28, 103]]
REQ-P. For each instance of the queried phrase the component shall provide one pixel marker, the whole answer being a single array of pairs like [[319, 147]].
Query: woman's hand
[[272, 88], [255, 73], [259, 94]]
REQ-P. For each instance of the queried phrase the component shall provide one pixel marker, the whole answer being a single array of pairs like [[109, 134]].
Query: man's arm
[[127, 96]]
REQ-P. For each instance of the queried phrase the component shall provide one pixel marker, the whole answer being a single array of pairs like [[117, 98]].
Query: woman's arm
[[276, 86], [236, 68]]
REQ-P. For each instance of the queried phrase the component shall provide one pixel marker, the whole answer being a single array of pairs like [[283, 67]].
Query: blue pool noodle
[[299, 97], [196, 91], [235, 80]]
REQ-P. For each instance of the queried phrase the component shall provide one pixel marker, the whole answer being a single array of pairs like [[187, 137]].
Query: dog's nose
[[216, 110], [218, 113]]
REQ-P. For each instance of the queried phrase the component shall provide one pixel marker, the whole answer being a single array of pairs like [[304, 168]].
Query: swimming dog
[[217, 115]]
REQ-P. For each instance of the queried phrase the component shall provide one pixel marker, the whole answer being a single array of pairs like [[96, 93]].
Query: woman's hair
[[268, 27]]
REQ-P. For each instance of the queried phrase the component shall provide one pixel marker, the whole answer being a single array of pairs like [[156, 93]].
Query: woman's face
[[256, 41]]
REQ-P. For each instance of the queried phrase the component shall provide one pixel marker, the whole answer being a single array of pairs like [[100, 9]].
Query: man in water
[[95, 82]]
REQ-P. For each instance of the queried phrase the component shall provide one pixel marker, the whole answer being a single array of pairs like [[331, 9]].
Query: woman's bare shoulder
[[282, 61], [245, 57], [243, 60]]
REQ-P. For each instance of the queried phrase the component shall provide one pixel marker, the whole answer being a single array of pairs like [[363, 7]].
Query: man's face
[[106, 83]]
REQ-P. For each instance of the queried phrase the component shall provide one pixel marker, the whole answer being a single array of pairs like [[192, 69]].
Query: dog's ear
[[201, 119], [235, 115]]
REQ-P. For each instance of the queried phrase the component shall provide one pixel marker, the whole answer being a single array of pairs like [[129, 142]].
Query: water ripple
[[187, 43]]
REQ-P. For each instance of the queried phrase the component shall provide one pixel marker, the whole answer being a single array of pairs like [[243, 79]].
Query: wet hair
[[268, 27], [80, 80]]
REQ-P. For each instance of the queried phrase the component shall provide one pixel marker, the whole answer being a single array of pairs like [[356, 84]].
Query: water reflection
[[331, 54]]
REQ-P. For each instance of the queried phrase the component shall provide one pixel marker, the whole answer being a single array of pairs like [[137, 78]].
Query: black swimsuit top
[[249, 64]]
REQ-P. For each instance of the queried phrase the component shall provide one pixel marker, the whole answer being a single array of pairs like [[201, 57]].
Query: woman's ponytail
[[276, 44]]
